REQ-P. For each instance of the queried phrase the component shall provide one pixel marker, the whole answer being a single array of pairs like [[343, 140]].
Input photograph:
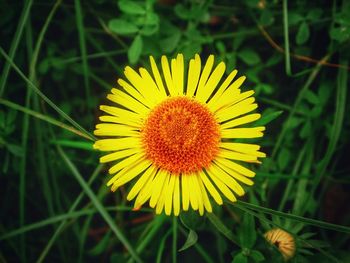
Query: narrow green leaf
[[190, 241], [131, 7], [74, 144], [135, 49], [122, 27], [303, 33], [268, 117], [221, 227]]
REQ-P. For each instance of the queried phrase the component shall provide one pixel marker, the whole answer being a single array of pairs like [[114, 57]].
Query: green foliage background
[[60, 58]]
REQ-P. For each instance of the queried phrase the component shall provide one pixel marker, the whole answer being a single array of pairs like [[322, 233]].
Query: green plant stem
[[98, 205], [14, 44], [174, 239], [46, 99], [286, 38]]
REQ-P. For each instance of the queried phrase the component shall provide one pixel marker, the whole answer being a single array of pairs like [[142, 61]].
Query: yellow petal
[[236, 155], [222, 187], [204, 76], [176, 197], [193, 75], [111, 129], [210, 187], [236, 167], [206, 200], [129, 173], [119, 155], [126, 162], [157, 77], [204, 93], [169, 194], [185, 192], [223, 87], [162, 197], [127, 101], [255, 132], [226, 179], [235, 175], [240, 121], [117, 144], [141, 182], [193, 191], [167, 76], [157, 186]]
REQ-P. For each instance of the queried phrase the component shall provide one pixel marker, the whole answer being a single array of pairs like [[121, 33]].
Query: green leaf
[[191, 220], [283, 158], [190, 241], [135, 49], [170, 43], [247, 233], [267, 117], [131, 7], [240, 258], [303, 33], [256, 255], [221, 227], [249, 56], [74, 144], [311, 97], [122, 27], [266, 18]]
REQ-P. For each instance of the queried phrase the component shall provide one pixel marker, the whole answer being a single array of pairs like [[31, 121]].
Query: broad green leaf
[[240, 258], [303, 33], [247, 232], [266, 17], [249, 56], [190, 241], [122, 27], [256, 255], [135, 49], [131, 7]]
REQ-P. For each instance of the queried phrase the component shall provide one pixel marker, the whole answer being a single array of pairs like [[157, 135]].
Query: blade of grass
[[286, 38], [220, 226], [71, 210], [305, 220], [174, 247], [14, 44], [340, 107], [98, 205], [59, 218], [46, 99], [157, 222], [43, 118], [162, 245], [82, 44]]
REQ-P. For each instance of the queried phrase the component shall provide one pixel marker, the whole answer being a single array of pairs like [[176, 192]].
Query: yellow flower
[[284, 242], [176, 136]]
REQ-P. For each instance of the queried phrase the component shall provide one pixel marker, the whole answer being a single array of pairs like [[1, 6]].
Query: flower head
[[283, 241], [176, 137]]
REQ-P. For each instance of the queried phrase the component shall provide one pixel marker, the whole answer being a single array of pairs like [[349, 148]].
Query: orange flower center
[[181, 135]]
